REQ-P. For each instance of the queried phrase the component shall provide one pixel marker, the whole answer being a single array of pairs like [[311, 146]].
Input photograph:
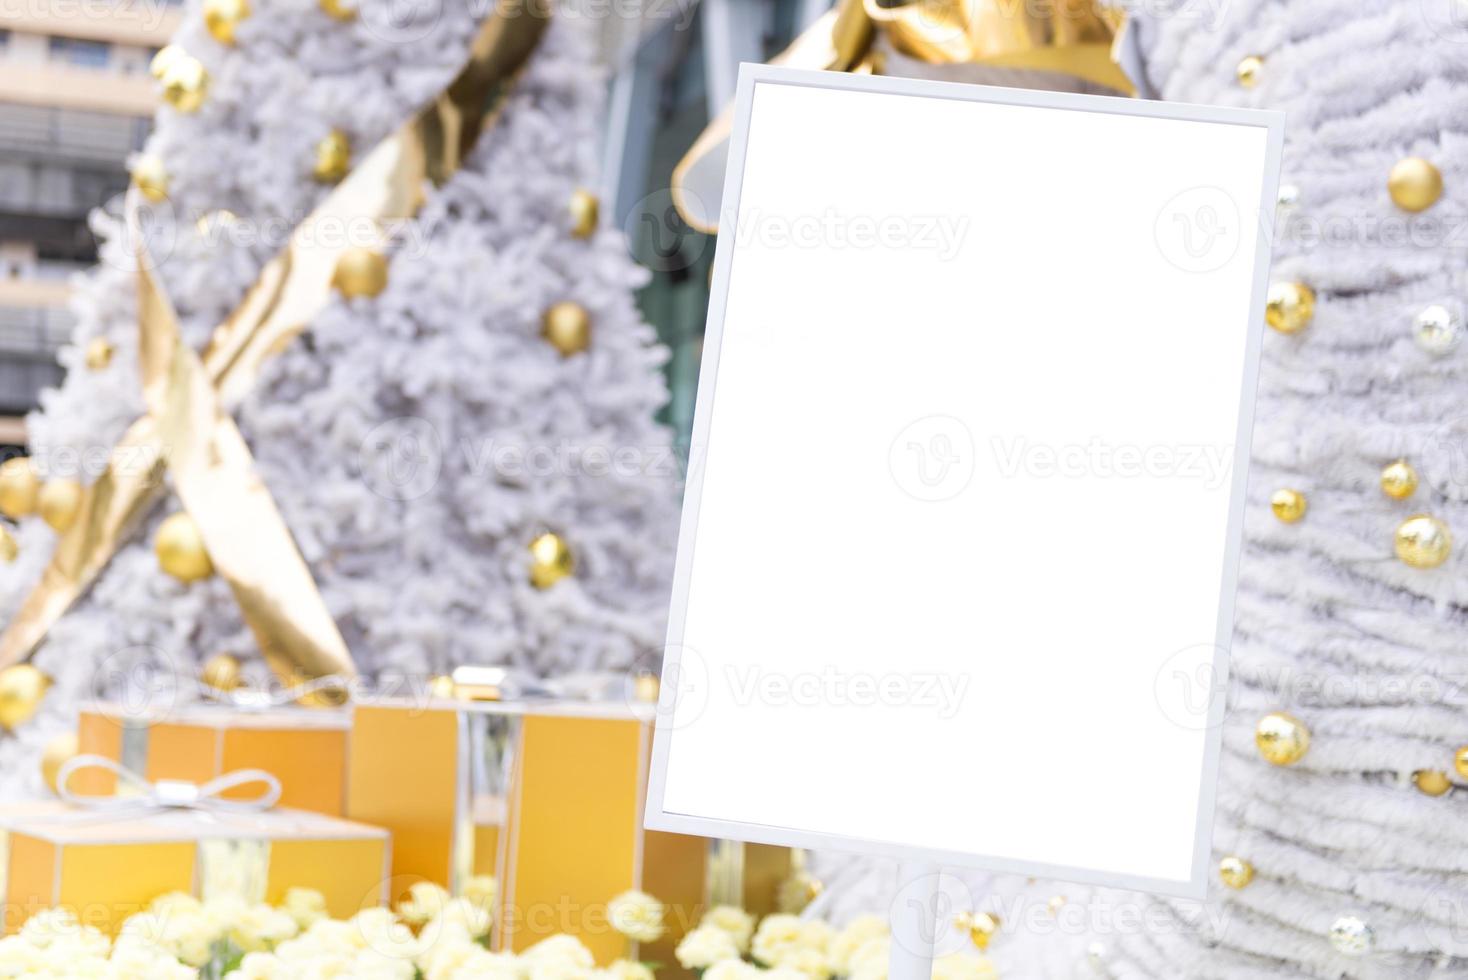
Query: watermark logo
[[401, 459], [924, 913], [1444, 463], [1199, 230], [134, 684], [684, 694], [1190, 684], [933, 458], [401, 21], [658, 237]]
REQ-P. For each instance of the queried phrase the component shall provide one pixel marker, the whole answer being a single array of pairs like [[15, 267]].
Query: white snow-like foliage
[[415, 442]]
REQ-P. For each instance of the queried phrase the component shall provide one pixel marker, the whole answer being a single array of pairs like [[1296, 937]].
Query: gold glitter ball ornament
[[1431, 782], [333, 157], [585, 209], [21, 689], [99, 353], [1288, 505], [150, 178], [180, 549], [185, 83], [20, 486], [1399, 480], [59, 502], [550, 560], [1282, 739], [360, 272], [567, 327], [221, 672], [1415, 184], [1290, 307], [222, 17], [1249, 71], [1423, 541], [58, 752], [1235, 872]]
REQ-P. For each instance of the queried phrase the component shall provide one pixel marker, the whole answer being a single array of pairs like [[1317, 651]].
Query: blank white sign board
[[962, 520]]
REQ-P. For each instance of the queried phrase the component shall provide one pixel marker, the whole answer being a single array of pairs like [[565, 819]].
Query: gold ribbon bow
[[188, 430], [998, 42]]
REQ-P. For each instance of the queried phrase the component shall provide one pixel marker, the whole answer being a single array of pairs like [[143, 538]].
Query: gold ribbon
[[1068, 38], [188, 430]]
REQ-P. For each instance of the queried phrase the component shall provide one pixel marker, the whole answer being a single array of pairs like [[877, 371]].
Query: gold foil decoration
[[1061, 43], [190, 396]]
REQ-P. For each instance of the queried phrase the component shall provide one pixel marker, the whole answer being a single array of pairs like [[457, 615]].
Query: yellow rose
[[738, 923], [848, 940], [776, 934], [260, 927], [705, 946], [424, 901], [306, 905], [636, 915]]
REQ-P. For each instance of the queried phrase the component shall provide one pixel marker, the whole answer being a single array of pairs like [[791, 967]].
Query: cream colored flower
[[733, 970], [260, 966], [484, 965], [559, 948], [783, 973], [482, 890], [460, 912], [625, 970], [964, 966], [142, 963], [848, 940], [185, 933], [636, 915], [705, 946], [809, 961], [18, 957], [444, 957], [306, 905], [369, 964], [425, 900], [738, 923], [776, 935], [181, 902], [869, 961], [260, 927], [380, 930]]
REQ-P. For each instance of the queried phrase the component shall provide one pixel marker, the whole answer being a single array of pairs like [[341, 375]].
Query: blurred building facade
[[75, 100]]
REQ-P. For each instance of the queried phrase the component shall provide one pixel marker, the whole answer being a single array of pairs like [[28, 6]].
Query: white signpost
[[968, 470]]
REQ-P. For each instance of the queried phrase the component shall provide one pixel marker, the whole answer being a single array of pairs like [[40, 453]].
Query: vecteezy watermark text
[[832, 686]]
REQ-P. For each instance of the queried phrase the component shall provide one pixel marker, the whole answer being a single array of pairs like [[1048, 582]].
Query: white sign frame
[[657, 817]]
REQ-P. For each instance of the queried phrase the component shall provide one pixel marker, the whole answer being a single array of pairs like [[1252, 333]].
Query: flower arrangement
[[725, 945]]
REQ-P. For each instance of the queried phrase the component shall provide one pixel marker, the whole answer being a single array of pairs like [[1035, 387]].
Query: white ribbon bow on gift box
[[167, 794]]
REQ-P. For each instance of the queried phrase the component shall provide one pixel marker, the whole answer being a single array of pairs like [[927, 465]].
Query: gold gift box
[[548, 798], [306, 749], [106, 866]]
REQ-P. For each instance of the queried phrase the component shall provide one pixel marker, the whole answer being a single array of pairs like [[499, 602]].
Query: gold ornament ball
[[646, 688], [185, 83], [550, 560], [1290, 307], [59, 502], [1282, 739], [442, 686], [165, 57], [1235, 872], [9, 549], [1056, 903], [221, 17], [58, 752], [1423, 542], [1460, 762], [1399, 480], [333, 157], [585, 210], [180, 549], [1431, 782], [19, 487], [21, 689], [221, 672], [99, 353], [1288, 505], [338, 10], [982, 928], [567, 326], [360, 272], [1415, 184], [150, 178], [1249, 70]]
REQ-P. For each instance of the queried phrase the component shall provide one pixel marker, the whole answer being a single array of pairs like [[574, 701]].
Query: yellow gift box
[[305, 748], [548, 798], [106, 866]]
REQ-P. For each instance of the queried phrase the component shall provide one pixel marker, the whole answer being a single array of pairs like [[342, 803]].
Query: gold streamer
[[188, 430]]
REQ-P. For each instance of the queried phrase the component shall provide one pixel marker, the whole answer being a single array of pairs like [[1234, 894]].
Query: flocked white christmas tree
[[415, 442]]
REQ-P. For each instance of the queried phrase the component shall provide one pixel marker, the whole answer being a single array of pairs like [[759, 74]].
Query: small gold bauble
[[1431, 782], [982, 928], [221, 672], [1460, 762], [1235, 872], [1399, 480], [1288, 505], [150, 177], [1056, 903], [180, 549], [1415, 184], [1249, 70], [185, 83], [585, 209], [221, 17], [9, 549], [333, 157], [1423, 542], [20, 487], [551, 560], [442, 686], [59, 502], [1282, 739], [99, 353], [338, 10], [360, 272], [1291, 307], [58, 752], [646, 688], [567, 326], [21, 689], [166, 56]]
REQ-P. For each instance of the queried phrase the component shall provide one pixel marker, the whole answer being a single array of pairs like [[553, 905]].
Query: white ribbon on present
[[252, 700], [166, 794]]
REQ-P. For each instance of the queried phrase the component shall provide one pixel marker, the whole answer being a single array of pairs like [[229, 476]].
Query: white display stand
[[967, 481]]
